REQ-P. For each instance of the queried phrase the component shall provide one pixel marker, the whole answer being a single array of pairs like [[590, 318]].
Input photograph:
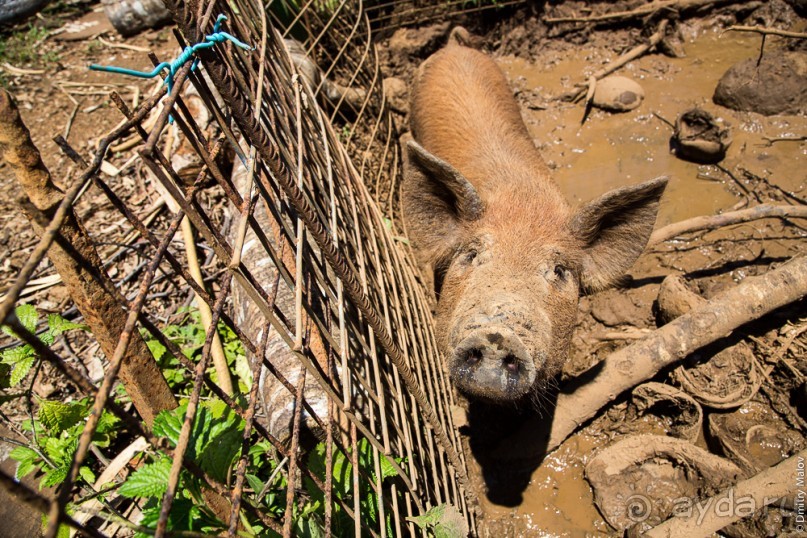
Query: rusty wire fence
[[340, 418]]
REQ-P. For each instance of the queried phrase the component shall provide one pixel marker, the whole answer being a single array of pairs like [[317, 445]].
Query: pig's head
[[509, 270]]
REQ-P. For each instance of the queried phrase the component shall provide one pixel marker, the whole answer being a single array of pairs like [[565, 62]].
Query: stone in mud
[[617, 94], [778, 85], [700, 137]]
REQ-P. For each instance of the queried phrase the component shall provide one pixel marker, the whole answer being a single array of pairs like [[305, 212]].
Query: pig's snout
[[493, 363]]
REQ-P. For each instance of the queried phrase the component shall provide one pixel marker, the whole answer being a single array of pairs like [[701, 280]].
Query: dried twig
[[588, 88], [771, 140], [631, 365], [767, 31], [70, 120], [732, 217], [648, 9]]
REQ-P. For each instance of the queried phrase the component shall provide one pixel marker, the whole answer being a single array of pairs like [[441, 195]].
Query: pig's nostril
[[473, 356], [510, 363]]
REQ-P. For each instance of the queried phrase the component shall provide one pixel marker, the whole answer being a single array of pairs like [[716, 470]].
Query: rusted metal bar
[[75, 258]]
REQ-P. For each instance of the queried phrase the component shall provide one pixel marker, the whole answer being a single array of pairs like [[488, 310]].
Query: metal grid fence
[[310, 279]]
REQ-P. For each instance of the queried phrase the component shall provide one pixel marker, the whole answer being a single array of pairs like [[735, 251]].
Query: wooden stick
[[638, 362], [648, 9], [223, 378], [629, 56], [767, 31], [711, 222], [739, 501]]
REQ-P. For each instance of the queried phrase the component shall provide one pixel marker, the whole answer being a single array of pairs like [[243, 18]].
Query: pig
[[508, 257]]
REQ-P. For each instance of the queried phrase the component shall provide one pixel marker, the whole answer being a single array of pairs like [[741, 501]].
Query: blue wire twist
[[210, 41]]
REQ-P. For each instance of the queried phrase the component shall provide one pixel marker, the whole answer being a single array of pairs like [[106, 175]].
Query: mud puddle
[[612, 150]]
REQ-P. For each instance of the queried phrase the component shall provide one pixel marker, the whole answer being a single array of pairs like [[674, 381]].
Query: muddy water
[[611, 150]]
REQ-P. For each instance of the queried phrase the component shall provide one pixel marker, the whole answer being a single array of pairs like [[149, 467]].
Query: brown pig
[[509, 257]]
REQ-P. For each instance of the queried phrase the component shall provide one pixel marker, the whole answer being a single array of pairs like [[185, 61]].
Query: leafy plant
[[342, 473], [442, 521], [57, 429], [189, 335], [215, 445], [21, 359], [23, 47]]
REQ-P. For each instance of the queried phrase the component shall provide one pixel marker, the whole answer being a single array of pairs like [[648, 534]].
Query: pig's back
[[464, 112]]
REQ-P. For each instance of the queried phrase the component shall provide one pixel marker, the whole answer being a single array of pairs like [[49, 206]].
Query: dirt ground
[[543, 62]]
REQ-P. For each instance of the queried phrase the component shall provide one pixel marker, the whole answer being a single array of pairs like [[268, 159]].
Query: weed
[[24, 48], [215, 445]]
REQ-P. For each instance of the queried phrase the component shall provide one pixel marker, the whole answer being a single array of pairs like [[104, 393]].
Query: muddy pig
[[508, 256]]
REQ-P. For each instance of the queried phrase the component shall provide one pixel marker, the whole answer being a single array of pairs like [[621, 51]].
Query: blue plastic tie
[[216, 37]]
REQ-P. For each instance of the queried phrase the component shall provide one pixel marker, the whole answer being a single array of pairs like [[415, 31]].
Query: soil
[[518, 496]]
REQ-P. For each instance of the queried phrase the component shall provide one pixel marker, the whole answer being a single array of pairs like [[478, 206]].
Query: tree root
[[755, 493], [640, 361]]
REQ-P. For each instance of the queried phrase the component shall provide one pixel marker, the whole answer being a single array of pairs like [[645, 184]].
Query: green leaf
[[149, 481], [86, 474], [21, 370], [184, 516], [308, 525], [57, 416], [388, 470], [444, 520], [54, 477], [168, 424], [157, 348], [430, 518], [107, 423], [219, 453], [16, 354], [254, 482], [27, 460], [58, 325], [28, 317]]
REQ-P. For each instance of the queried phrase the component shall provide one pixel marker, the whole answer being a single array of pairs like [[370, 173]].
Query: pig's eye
[[561, 273], [469, 256]]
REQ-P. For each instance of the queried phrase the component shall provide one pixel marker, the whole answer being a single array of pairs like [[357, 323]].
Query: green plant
[[56, 431], [309, 522], [23, 47], [215, 445], [189, 336], [20, 359]]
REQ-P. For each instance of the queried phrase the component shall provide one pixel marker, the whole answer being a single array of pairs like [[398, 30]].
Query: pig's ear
[[437, 199], [614, 230]]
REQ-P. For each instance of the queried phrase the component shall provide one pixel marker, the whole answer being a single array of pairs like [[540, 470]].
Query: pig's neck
[[509, 172]]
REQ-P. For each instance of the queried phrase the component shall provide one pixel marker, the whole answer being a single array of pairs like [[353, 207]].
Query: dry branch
[[755, 493], [649, 9], [711, 222], [76, 260], [629, 56], [767, 31], [638, 362]]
